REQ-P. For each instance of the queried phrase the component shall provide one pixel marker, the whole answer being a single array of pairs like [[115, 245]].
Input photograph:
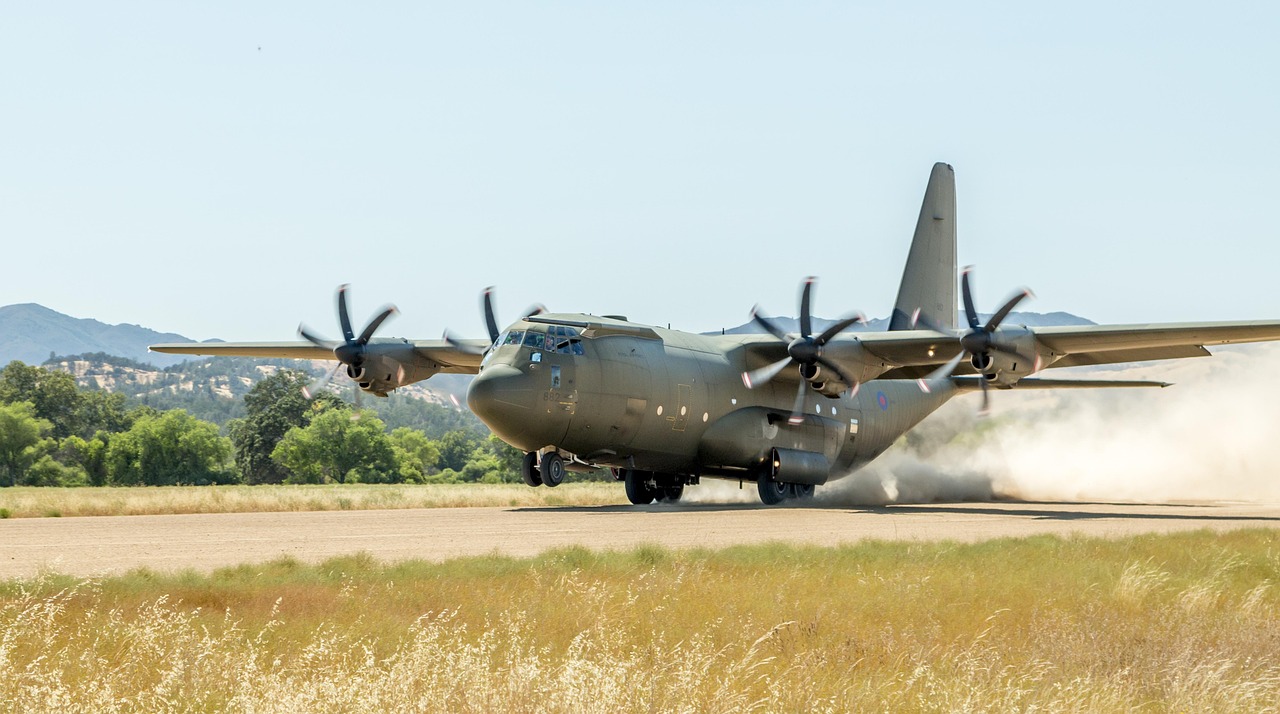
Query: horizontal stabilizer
[[974, 383]]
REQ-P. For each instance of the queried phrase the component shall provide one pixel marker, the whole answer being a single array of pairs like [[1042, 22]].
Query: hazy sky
[[217, 169]]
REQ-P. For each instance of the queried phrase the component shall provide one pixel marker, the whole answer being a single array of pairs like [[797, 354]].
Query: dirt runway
[[115, 544]]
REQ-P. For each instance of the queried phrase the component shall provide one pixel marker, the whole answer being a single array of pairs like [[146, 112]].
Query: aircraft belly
[[885, 410], [744, 438]]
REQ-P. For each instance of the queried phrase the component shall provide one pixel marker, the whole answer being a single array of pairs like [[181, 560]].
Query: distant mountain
[[31, 332], [1029, 319]]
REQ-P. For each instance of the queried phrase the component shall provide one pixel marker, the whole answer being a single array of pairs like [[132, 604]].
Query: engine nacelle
[[1003, 369], [804, 467], [983, 363], [388, 366], [854, 362]]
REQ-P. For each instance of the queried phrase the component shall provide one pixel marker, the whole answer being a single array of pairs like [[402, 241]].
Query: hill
[[32, 333], [213, 389]]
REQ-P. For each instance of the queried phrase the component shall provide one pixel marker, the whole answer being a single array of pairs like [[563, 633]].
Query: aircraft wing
[[912, 353], [436, 355], [286, 350], [1150, 341]]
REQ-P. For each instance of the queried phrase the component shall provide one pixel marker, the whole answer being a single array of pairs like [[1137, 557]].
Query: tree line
[[54, 433]]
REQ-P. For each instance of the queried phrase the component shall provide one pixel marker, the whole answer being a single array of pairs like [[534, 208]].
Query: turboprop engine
[[807, 350], [1018, 359], [386, 366], [1002, 355], [376, 367]]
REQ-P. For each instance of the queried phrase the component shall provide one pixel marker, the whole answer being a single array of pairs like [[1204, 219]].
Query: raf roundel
[[883, 401]]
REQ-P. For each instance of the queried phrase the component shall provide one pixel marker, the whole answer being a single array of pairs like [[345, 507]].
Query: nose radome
[[493, 386], [502, 397]]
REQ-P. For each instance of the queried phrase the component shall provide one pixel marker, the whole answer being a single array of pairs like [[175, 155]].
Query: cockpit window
[[533, 339], [562, 339], [514, 337]]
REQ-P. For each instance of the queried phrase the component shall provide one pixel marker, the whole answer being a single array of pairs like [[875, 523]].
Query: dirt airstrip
[[114, 544]]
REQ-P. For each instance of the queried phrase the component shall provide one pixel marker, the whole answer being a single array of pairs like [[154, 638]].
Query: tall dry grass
[[40, 502], [1187, 622]]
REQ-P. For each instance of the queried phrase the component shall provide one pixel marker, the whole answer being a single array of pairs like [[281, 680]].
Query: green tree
[[339, 445], [49, 472], [509, 457], [273, 407], [100, 411], [417, 454], [22, 441], [88, 455], [54, 395], [57, 398], [170, 449], [456, 448]]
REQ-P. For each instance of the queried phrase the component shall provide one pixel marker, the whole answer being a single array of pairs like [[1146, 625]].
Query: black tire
[[637, 485], [673, 493], [552, 469], [529, 469], [771, 492], [805, 491]]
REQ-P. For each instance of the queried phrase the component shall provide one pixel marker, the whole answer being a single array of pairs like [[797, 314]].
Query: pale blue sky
[[674, 162]]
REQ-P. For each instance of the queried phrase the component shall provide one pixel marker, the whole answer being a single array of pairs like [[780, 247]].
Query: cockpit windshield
[[513, 337], [558, 338], [563, 339]]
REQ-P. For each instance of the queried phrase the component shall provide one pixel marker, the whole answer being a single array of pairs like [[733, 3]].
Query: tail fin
[[929, 280]]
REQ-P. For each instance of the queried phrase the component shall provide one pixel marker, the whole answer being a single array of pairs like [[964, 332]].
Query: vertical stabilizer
[[929, 280]]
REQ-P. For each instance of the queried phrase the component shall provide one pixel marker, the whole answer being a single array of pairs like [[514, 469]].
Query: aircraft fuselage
[[632, 396]]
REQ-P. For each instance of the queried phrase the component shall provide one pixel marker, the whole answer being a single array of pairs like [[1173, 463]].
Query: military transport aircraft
[[664, 408]]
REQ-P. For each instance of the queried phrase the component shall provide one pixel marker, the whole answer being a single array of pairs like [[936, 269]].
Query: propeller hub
[[975, 341], [804, 350], [351, 353]]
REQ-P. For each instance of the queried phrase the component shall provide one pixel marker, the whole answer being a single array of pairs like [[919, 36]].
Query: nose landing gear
[[549, 472]]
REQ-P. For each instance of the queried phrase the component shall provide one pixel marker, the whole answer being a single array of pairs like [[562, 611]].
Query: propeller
[[979, 341], [490, 322], [804, 350], [350, 351]]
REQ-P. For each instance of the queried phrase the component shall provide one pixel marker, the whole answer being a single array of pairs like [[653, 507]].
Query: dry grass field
[[1186, 622], [41, 502]]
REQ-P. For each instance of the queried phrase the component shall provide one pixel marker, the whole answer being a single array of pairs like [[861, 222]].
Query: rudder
[[929, 279]]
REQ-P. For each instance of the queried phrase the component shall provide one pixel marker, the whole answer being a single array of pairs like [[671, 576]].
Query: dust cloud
[[1213, 436]]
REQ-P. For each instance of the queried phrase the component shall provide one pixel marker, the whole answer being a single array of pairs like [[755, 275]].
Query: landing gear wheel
[[771, 492], [673, 493], [552, 469], [637, 485], [529, 469], [805, 491]]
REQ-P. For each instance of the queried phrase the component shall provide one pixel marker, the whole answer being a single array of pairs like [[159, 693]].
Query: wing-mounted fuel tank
[[759, 439]]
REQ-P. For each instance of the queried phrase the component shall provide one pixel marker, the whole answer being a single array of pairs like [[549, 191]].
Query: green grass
[[50, 502], [1185, 622]]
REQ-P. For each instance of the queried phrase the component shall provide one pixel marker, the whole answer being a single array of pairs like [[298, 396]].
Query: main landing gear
[[550, 472], [645, 487], [772, 492]]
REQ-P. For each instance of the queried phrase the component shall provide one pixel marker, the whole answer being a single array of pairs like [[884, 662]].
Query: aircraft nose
[[502, 396]]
